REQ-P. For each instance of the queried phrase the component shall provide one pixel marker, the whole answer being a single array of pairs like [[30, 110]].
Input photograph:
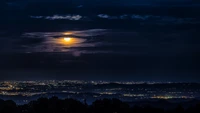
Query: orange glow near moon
[[68, 33]]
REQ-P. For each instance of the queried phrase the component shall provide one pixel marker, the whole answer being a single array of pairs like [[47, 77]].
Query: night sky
[[130, 40]]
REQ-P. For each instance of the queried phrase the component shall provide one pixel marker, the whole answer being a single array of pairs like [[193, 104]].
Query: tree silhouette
[[9, 106], [56, 105], [179, 109]]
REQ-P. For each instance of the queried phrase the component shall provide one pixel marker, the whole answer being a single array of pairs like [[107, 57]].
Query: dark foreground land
[[55, 105]]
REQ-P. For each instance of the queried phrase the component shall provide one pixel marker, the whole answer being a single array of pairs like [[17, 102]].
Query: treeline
[[55, 105]]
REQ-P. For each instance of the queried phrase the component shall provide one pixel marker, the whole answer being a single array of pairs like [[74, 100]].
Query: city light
[[93, 89]]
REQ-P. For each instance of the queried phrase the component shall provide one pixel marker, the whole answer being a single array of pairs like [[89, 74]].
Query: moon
[[67, 39]]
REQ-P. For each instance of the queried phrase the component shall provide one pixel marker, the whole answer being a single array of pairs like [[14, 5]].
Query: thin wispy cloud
[[59, 17], [131, 17], [151, 18]]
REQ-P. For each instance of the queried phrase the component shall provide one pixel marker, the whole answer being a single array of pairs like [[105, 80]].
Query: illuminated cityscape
[[25, 91]]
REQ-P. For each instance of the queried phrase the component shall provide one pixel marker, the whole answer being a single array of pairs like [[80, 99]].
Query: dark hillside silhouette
[[56, 105]]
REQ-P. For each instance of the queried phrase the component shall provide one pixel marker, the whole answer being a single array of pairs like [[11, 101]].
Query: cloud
[[144, 17], [150, 18], [67, 17], [125, 16], [53, 41], [105, 16], [30, 41], [37, 17], [59, 17], [154, 19]]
